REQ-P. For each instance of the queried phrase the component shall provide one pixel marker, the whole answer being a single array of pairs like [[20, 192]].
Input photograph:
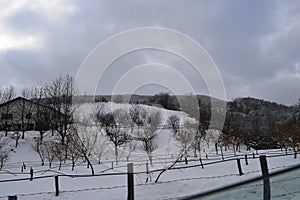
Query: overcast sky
[[255, 44]]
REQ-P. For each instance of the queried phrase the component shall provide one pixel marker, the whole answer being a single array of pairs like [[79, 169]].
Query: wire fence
[[179, 166]]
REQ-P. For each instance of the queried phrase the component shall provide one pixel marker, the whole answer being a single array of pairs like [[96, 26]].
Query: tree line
[[77, 138]]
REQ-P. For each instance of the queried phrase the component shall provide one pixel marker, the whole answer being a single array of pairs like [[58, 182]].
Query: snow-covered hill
[[111, 182]]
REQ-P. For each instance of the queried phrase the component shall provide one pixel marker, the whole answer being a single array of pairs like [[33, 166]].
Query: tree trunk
[[216, 147], [116, 154], [99, 160], [41, 136], [73, 165], [89, 164], [92, 168], [234, 151], [199, 151], [222, 152], [150, 159], [59, 168]]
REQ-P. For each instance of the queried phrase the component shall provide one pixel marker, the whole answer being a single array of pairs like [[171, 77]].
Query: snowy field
[[110, 181]]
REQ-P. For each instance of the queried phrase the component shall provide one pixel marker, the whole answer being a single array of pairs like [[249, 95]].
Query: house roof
[[30, 101]]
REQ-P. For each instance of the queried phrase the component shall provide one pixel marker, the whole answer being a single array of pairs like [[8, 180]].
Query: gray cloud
[[255, 44]]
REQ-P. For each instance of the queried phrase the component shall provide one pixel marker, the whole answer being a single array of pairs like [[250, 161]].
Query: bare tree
[[199, 134], [41, 116], [123, 119], [58, 152], [117, 135], [137, 114], [185, 138], [50, 151], [71, 152], [60, 93], [148, 134], [39, 147], [88, 136], [100, 147], [213, 135], [99, 114], [131, 146], [174, 122], [78, 149], [288, 134]]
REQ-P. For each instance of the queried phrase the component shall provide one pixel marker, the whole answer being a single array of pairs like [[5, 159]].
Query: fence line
[[136, 173], [123, 173]]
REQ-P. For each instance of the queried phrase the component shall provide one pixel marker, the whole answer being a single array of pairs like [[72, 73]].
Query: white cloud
[[15, 41], [50, 12], [255, 44]]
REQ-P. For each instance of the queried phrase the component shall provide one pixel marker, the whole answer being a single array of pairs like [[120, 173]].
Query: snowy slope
[[172, 184]]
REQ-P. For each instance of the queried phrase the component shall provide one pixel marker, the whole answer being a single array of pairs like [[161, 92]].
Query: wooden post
[[265, 173], [31, 174], [112, 165], [130, 181], [239, 166], [56, 185], [246, 159], [12, 197], [295, 154], [253, 155]]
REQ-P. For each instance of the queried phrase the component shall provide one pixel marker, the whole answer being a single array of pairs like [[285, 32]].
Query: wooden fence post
[[56, 185], [239, 166], [246, 159], [253, 154], [130, 181], [265, 173], [31, 174]]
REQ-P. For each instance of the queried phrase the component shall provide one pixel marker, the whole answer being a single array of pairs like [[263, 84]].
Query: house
[[21, 114]]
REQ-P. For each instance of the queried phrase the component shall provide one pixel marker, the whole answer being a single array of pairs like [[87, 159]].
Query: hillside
[[248, 115]]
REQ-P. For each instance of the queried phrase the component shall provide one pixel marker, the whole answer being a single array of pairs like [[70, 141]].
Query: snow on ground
[[172, 184]]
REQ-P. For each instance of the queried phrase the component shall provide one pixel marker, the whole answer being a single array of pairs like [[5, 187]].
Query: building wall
[[21, 115]]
